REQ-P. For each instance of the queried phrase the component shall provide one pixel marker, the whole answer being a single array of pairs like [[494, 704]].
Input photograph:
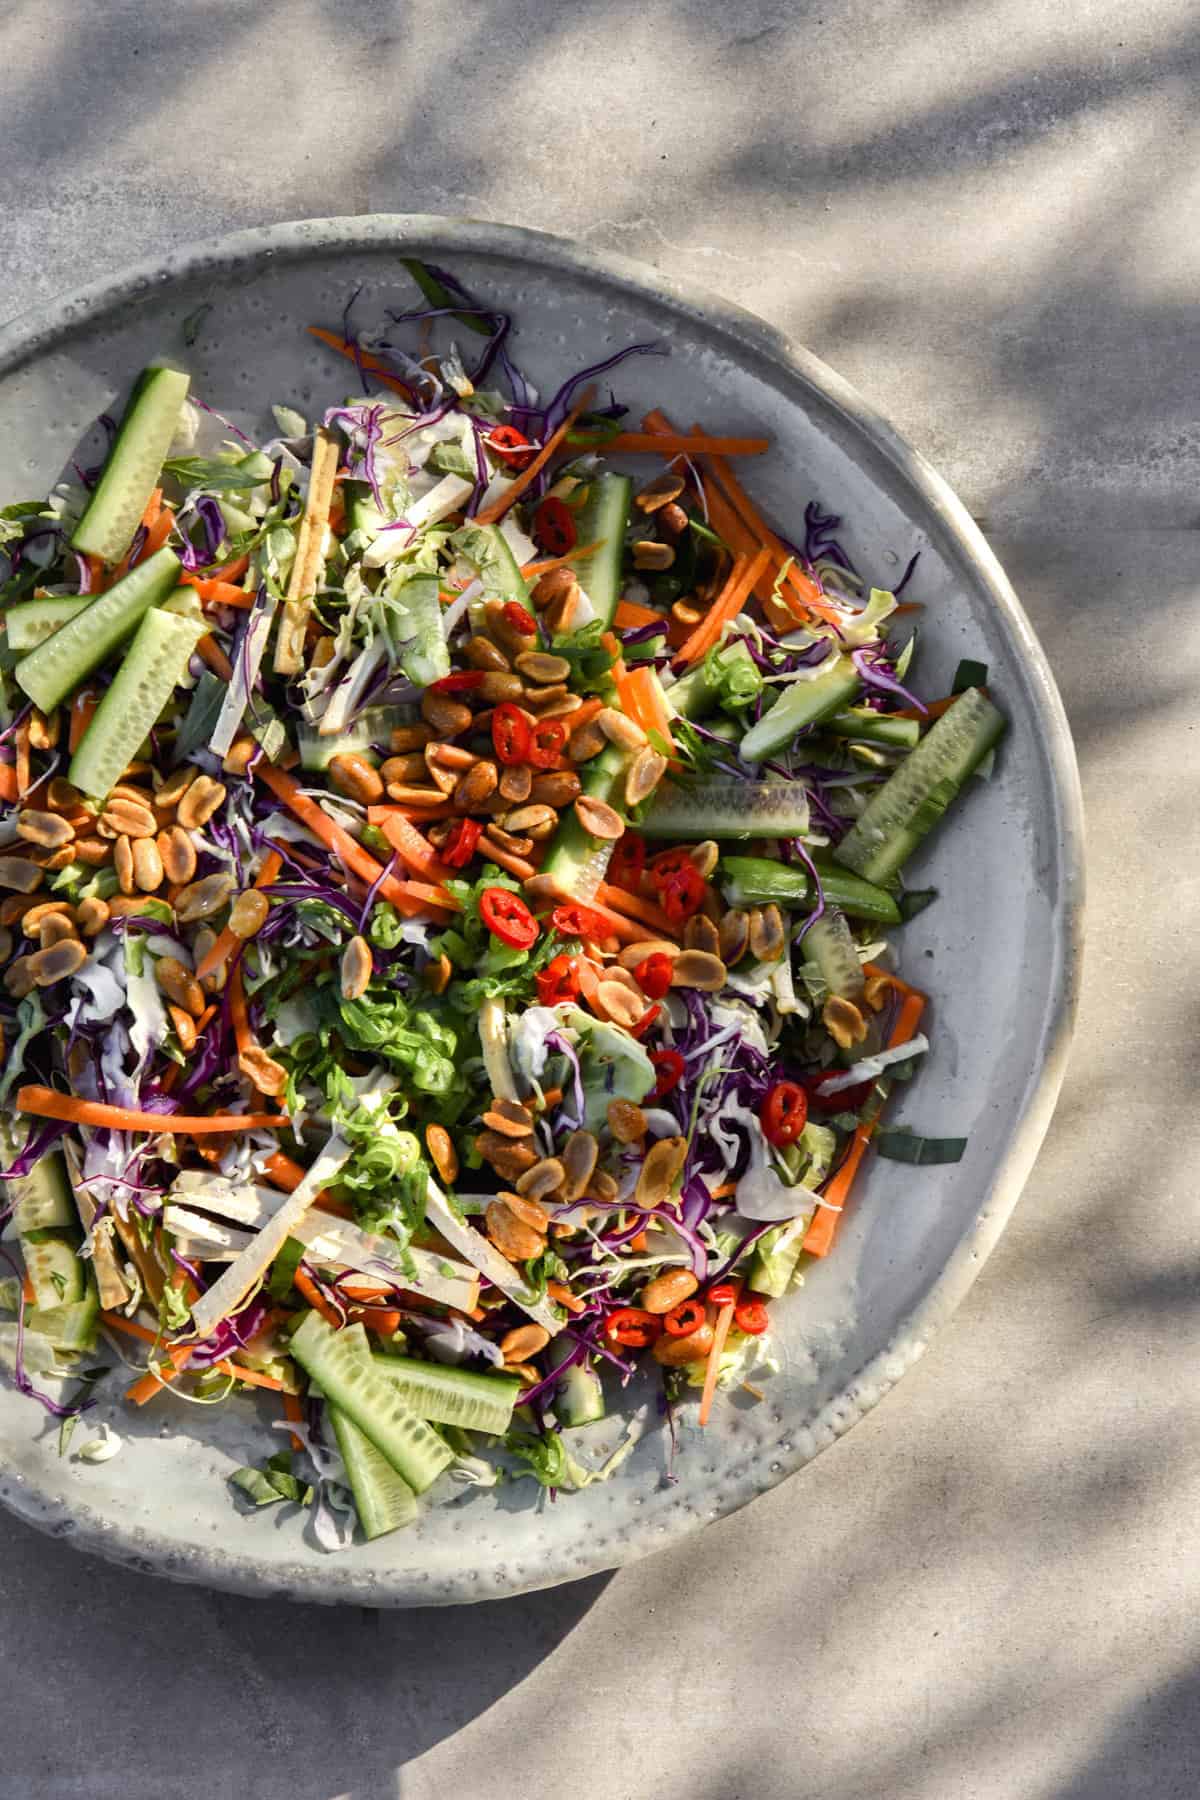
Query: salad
[[447, 888]]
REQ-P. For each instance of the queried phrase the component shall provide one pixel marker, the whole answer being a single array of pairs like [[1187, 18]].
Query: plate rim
[[335, 1580]]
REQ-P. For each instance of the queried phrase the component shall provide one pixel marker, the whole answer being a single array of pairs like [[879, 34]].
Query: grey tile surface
[[984, 216]]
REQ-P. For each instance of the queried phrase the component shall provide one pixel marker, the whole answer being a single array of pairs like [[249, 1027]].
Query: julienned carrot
[[153, 1382], [386, 1320], [723, 1192], [818, 1239], [150, 513], [618, 925], [131, 1328], [283, 1172], [934, 710], [416, 815], [519, 866], [293, 1412], [531, 570], [308, 1290], [622, 901], [48, 1103], [414, 851], [21, 769], [215, 592], [629, 616], [228, 941], [215, 657], [252, 1377], [157, 533], [583, 715], [368, 364], [156, 1381], [488, 515], [642, 693], [359, 861], [742, 581], [243, 1037], [8, 782], [653, 443], [720, 1333], [83, 711]]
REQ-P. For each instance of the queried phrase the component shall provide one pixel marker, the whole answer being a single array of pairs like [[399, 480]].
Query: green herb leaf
[[969, 674], [438, 295], [914, 900], [902, 1145], [283, 1269]]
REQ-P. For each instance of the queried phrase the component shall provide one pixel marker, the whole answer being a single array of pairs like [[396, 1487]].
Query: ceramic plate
[[998, 953]]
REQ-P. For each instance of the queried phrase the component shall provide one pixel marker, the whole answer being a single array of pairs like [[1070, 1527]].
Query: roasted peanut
[[668, 1291], [62, 959], [672, 521], [603, 1187], [540, 700], [531, 821], [409, 737], [33, 916], [626, 1121], [54, 929], [447, 717], [405, 794], [92, 915], [132, 906], [147, 865], [268, 1076], [412, 766], [507, 840], [701, 934], [442, 1153], [18, 977], [676, 1352], [557, 787], [179, 985], [94, 851], [561, 709], [185, 1028], [200, 802], [481, 653], [614, 1002], [525, 1373], [643, 775], [685, 613], [619, 729], [542, 667], [661, 1165], [355, 777], [555, 584], [20, 873], [510, 1236], [531, 1212], [123, 864], [767, 940], [450, 756], [202, 943], [127, 818], [510, 1157], [63, 796], [356, 967], [502, 626], [522, 1342], [579, 1155], [843, 1021], [175, 787], [249, 913], [239, 756], [6, 944], [585, 743], [705, 856], [633, 955], [48, 829], [203, 897], [51, 860], [544, 1178], [648, 554], [476, 786], [698, 969], [177, 853], [599, 819], [498, 686], [509, 1118], [560, 615], [659, 493], [44, 729], [733, 936]]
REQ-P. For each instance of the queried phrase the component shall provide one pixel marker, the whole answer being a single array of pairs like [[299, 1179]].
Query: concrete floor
[[984, 216]]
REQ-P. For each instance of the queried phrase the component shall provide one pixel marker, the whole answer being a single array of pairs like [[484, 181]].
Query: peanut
[[476, 786], [532, 821], [626, 1121], [619, 729], [179, 985], [508, 1157], [32, 917], [544, 1178], [185, 1028], [661, 1165], [436, 975], [203, 897], [659, 493], [175, 787], [481, 653], [701, 934], [698, 969], [706, 857], [579, 1155], [44, 729], [599, 819], [268, 1076], [510, 1236], [767, 938], [498, 686], [178, 855], [843, 1021], [522, 1342], [542, 667], [587, 742], [562, 1296], [92, 915], [409, 767], [48, 966], [733, 936], [633, 955], [684, 613], [123, 864], [554, 585], [18, 977], [617, 1004], [356, 967], [531, 1212], [239, 756], [127, 818], [675, 1352], [200, 802], [509, 1118], [643, 775], [55, 929], [442, 1152], [354, 776], [249, 913], [447, 717], [668, 1291], [558, 787], [648, 554], [409, 737], [672, 520], [19, 873], [93, 851], [45, 828], [147, 865]]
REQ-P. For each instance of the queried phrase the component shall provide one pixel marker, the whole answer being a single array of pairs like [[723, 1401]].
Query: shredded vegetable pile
[[447, 885]]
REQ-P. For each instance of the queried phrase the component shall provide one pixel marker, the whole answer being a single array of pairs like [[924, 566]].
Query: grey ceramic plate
[[999, 953]]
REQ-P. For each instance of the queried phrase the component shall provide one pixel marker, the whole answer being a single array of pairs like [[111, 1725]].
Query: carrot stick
[[154, 1382], [368, 364], [653, 443], [308, 1289], [228, 941], [8, 782], [233, 571], [728, 604], [504, 859], [83, 711], [543, 566], [934, 710], [131, 1328], [351, 853], [629, 616], [621, 900], [48, 1103], [720, 1333], [215, 657], [22, 763], [417, 855], [243, 1037], [283, 1172], [617, 923], [416, 815], [488, 515], [386, 1320], [723, 1192], [818, 1239], [157, 533], [150, 513], [219, 593], [582, 716], [252, 1377], [293, 1412]]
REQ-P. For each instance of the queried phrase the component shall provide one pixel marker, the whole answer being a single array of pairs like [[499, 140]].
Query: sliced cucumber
[[131, 471], [575, 861], [757, 881], [341, 1364], [602, 520], [151, 670], [416, 626], [776, 1256], [43, 1200], [484, 548], [35, 620], [580, 1398], [913, 799], [374, 726], [728, 809], [70, 1327], [49, 673], [804, 703], [695, 694], [828, 943], [54, 1267], [867, 727], [451, 1396], [383, 1500], [362, 514]]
